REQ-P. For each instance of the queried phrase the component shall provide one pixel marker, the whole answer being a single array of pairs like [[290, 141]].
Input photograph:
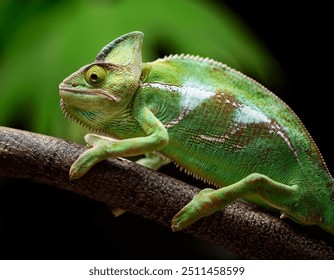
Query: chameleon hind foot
[[256, 187], [200, 206]]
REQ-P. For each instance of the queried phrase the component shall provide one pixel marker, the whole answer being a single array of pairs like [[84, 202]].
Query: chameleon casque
[[210, 120]]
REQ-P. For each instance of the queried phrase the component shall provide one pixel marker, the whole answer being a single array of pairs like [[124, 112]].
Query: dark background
[[42, 222]]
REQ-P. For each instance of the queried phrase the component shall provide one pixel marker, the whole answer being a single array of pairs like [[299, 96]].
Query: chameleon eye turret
[[96, 75], [212, 121]]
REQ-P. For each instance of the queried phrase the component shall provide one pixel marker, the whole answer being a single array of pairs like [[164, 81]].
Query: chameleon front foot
[[202, 205], [98, 151], [84, 162]]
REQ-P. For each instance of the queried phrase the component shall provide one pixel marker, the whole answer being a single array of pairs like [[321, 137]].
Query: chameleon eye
[[96, 75]]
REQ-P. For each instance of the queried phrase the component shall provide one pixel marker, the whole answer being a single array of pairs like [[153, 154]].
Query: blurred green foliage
[[42, 42]]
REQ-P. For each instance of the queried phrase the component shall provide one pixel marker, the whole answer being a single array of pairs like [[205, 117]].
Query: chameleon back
[[223, 125]]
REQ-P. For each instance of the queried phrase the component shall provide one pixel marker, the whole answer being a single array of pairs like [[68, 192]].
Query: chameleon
[[212, 121]]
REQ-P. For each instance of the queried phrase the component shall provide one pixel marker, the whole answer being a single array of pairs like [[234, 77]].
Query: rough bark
[[244, 229]]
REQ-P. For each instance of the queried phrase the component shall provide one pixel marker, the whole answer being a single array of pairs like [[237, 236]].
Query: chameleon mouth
[[94, 91]]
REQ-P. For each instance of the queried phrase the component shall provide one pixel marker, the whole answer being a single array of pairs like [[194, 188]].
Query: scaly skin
[[214, 122]]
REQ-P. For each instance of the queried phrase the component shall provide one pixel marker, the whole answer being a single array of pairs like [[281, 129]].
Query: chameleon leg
[[153, 161], [256, 186], [155, 137]]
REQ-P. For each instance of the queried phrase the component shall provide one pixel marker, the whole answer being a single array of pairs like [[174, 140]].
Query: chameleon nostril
[[74, 84]]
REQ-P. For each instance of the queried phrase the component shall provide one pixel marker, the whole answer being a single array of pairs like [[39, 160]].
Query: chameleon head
[[102, 89]]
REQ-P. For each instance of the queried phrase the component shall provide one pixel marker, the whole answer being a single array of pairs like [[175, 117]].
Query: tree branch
[[241, 228]]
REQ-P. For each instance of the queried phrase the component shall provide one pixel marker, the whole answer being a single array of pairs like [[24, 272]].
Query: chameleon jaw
[[65, 90], [71, 118]]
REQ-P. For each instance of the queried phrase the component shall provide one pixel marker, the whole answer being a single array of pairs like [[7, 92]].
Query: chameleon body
[[209, 119]]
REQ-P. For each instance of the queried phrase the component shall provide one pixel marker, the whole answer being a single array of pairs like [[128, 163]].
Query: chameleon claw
[[118, 212], [182, 220], [84, 163], [283, 216], [74, 173], [187, 216], [200, 206]]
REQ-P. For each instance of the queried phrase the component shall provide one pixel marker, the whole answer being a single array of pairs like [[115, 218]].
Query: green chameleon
[[210, 120]]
